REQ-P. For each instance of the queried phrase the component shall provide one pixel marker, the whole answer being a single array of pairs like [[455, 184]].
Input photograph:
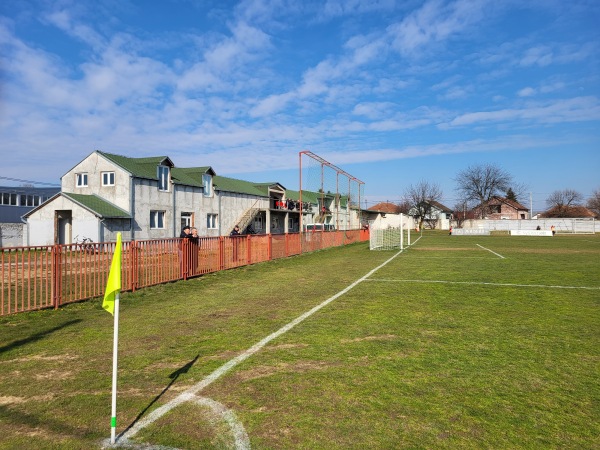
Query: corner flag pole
[[111, 304]]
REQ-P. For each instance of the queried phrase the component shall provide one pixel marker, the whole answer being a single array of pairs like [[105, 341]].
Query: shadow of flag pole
[[111, 304]]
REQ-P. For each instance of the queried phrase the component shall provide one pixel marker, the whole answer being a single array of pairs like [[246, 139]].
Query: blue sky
[[393, 92]]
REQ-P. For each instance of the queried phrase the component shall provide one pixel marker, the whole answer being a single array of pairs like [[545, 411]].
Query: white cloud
[[435, 21], [526, 92], [570, 110]]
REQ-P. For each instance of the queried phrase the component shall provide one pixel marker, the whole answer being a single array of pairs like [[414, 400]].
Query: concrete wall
[[565, 225], [94, 165], [234, 205], [40, 224], [11, 234]]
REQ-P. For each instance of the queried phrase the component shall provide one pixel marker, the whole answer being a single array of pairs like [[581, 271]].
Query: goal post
[[388, 237]]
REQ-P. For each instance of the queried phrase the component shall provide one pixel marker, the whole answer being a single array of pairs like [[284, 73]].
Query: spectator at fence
[[234, 234], [183, 247], [553, 229], [194, 241]]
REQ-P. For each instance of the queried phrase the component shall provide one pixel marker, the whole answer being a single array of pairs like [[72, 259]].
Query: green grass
[[447, 346]]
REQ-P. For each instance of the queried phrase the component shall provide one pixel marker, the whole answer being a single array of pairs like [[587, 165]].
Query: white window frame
[[212, 221], [108, 178], [207, 184], [186, 219], [81, 179], [157, 220], [163, 178]]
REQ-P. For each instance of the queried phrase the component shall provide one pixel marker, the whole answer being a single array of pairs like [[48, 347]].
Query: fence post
[[221, 252], [248, 249], [270, 247], [56, 276], [134, 261]]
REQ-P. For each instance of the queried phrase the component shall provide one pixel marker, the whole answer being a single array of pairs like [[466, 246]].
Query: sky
[[393, 92]]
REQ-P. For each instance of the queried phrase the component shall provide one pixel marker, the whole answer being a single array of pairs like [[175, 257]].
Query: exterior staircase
[[247, 218]]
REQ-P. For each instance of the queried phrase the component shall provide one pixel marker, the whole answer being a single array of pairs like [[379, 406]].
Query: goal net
[[330, 196], [388, 237]]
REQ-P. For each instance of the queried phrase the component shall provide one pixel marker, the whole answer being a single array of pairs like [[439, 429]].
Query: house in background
[[436, 215], [151, 198], [14, 203], [387, 215], [502, 208]]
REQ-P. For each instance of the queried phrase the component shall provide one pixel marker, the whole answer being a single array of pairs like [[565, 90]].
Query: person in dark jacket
[[185, 236], [185, 232]]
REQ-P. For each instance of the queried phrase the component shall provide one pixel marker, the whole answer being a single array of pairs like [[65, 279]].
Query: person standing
[[194, 248], [553, 229], [235, 240], [184, 260]]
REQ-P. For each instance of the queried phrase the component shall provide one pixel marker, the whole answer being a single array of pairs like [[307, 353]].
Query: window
[[163, 178], [7, 198], [157, 219], [207, 183], [186, 219], [108, 178], [211, 221], [82, 179]]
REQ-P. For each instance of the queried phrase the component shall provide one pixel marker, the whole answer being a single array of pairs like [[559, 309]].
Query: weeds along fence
[[41, 277]]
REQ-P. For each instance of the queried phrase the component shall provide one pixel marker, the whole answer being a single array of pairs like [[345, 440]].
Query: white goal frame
[[389, 237]]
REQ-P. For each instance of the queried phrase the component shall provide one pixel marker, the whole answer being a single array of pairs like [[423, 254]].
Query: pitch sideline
[[190, 394]]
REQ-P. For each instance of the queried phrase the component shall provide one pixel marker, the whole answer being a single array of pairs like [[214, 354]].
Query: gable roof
[[93, 203], [139, 167], [439, 206], [385, 207], [496, 200], [146, 168], [98, 206], [569, 211]]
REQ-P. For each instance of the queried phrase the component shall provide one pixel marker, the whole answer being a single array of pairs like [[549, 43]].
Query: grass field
[[458, 342]]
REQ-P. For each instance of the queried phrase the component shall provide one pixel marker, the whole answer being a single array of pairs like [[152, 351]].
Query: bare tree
[[561, 201], [404, 207], [420, 197], [566, 197], [593, 202], [480, 183], [461, 213]]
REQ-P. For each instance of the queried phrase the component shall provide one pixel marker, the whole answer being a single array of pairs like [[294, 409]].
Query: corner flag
[[111, 304], [113, 284]]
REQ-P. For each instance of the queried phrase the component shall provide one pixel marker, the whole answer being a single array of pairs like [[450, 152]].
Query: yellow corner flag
[[113, 284]]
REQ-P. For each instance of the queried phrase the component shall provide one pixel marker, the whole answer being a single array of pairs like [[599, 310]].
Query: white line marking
[[241, 439], [384, 280], [491, 251], [190, 394]]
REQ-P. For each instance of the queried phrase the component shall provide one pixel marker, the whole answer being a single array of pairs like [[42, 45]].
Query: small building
[[14, 203], [436, 215], [502, 208]]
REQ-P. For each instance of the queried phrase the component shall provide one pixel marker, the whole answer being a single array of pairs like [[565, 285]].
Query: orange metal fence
[[34, 278]]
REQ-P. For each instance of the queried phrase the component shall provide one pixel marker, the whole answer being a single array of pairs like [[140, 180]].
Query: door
[[63, 227]]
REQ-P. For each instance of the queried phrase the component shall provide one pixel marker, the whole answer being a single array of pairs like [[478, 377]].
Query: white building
[[151, 198]]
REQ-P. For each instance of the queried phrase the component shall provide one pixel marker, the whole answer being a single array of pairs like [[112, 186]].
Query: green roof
[[98, 206], [146, 168], [190, 176], [139, 167], [240, 186]]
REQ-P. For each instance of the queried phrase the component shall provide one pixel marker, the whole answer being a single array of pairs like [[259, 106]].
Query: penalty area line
[[497, 254], [190, 394], [547, 286]]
